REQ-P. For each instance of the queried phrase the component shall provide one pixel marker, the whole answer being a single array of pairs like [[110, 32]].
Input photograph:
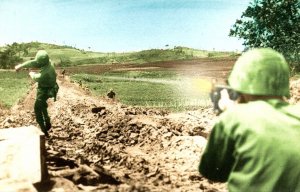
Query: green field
[[154, 89], [13, 86], [161, 89]]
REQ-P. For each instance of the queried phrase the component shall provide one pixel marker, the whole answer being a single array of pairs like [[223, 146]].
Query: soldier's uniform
[[255, 145], [47, 87]]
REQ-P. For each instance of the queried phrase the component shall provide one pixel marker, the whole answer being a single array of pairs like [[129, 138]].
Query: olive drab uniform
[[255, 147], [47, 87]]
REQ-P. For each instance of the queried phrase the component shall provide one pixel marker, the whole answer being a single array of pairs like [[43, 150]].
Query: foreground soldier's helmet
[[261, 71], [42, 58]]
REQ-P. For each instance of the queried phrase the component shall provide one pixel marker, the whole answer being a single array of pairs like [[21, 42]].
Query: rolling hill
[[63, 55]]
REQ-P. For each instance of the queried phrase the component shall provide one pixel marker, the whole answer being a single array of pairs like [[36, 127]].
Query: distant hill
[[70, 56]]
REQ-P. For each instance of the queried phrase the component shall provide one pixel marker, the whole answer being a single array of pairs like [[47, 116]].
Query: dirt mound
[[101, 144]]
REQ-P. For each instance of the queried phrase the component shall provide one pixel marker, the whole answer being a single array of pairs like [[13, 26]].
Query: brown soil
[[207, 68], [133, 148]]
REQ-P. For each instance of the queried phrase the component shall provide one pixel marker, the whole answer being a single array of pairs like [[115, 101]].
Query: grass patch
[[13, 86], [154, 89]]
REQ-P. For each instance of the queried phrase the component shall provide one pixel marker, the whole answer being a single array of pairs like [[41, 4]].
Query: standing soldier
[[255, 144], [47, 87]]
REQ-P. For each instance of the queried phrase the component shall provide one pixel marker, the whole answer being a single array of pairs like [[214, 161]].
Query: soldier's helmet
[[42, 58], [261, 71]]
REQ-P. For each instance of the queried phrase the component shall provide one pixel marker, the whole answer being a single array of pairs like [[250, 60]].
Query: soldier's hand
[[31, 74], [17, 67], [225, 102]]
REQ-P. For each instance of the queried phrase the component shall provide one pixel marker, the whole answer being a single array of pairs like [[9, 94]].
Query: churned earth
[[100, 144]]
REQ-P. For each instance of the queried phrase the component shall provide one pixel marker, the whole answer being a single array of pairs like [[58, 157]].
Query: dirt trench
[[99, 144]]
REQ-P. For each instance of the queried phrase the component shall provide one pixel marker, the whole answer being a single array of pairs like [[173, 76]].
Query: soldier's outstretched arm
[[27, 64]]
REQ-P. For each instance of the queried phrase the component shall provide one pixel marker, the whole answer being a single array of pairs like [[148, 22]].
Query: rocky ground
[[98, 144]]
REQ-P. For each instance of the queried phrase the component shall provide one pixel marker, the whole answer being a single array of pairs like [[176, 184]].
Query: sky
[[122, 25]]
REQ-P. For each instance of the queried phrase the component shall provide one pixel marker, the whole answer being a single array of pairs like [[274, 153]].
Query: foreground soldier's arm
[[27, 64], [217, 160], [30, 64]]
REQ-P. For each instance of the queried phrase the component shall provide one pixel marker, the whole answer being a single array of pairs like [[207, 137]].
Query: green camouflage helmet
[[42, 58], [261, 71]]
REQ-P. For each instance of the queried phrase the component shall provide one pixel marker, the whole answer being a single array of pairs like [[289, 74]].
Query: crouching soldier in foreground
[[47, 87], [255, 144]]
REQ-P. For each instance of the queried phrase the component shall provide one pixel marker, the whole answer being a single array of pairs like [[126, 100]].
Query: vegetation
[[64, 56], [13, 86], [154, 89], [158, 89], [11, 54], [272, 23]]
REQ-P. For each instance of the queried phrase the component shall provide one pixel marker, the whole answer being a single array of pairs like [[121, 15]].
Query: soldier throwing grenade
[[47, 87]]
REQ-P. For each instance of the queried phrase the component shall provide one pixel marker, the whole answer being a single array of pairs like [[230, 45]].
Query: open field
[[147, 92], [174, 85], [204, 67], [13, 86]]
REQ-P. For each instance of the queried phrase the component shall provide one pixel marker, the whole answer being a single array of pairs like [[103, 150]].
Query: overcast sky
[[122, 25]]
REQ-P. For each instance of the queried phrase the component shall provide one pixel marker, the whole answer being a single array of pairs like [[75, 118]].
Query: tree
[[10, 56], [274, 24]]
